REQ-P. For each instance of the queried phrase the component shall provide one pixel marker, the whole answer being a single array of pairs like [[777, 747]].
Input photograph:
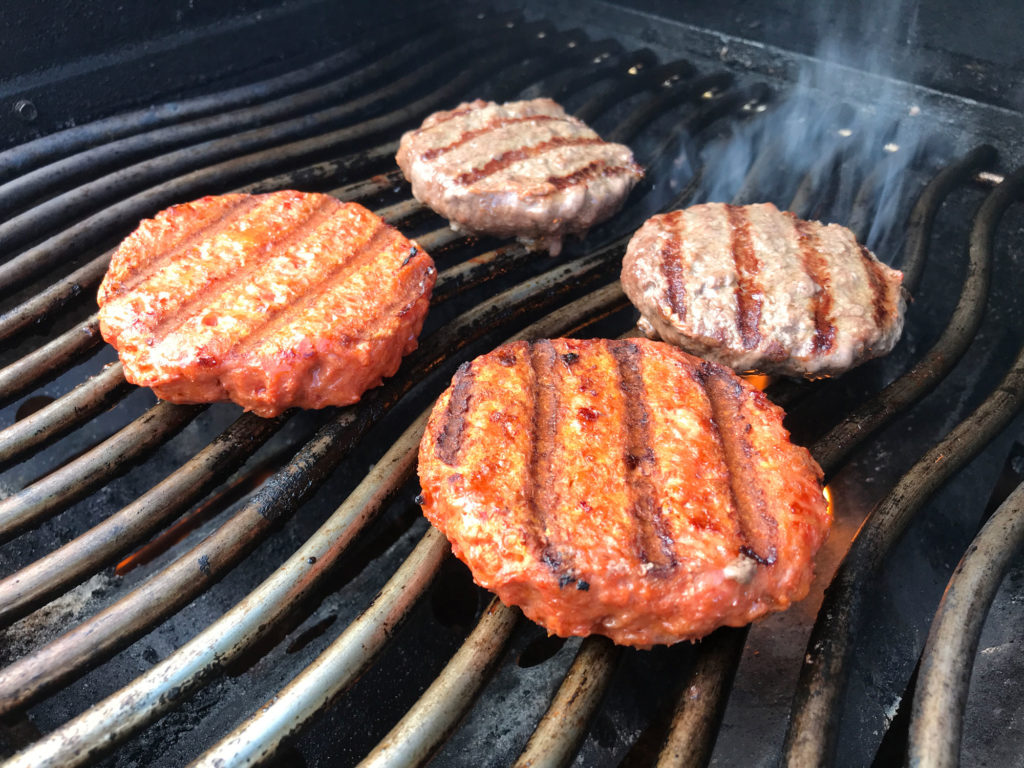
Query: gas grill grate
[[165, 569]]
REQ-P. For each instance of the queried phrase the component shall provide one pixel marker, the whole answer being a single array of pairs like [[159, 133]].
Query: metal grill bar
[[941, 696], [416, 736], [49, 359], [27, 589], [285, 147], [23, 189], [48, 148], [811, 736], [560, 732], [78, 478], [81, 404]]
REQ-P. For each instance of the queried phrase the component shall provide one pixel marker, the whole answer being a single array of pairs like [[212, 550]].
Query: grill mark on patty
[[473, 133], [654, 542], [877, 281], [367, 249], [539, 487], [671, 264], [757, 528], [505, 159], [816, 268], [748, 292], [449, 441], [584, 174], [200, 300], [224, 221]]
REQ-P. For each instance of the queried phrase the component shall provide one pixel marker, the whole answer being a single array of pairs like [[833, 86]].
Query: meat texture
[[624, 488], [271, 301], [524, 169], [759, 289]]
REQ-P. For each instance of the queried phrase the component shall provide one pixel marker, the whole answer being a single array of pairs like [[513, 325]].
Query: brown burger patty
[[524, 169], [624, 488], [271, 301], [756, 288]]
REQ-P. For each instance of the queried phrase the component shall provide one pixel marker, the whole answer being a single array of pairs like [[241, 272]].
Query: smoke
[[819, 152]]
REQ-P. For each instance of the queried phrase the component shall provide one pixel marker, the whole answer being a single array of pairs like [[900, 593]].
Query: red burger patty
[[524, 169], [756, 288], [270, 301], [624, 488]]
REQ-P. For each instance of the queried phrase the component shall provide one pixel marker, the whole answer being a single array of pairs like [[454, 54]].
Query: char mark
[[816, 269], [671, 265], [341, 271], [748, 291], [654, 542], [234, 212], [591, 170], [199, 301], [449, 441], [494, 125], [757, 528], [512, 156], [878, 293], [540, 492]]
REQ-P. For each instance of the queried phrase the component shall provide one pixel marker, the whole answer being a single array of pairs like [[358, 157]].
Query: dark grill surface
[[184, 583]]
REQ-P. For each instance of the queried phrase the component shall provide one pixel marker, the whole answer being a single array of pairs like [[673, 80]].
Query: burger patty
[[524, 169], [624, 488], [756, 288], [270, 301]]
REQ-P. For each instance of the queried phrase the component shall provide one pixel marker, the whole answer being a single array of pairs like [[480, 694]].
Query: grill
[[187, 583]]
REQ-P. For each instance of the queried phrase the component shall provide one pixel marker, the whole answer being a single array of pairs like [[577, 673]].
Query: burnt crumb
[[749, 552], [412, 255], [582, 585], [204, 565], [565, 580], [311, 560], [632, 460], [570, 357], [507, 357], [419, 498]]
